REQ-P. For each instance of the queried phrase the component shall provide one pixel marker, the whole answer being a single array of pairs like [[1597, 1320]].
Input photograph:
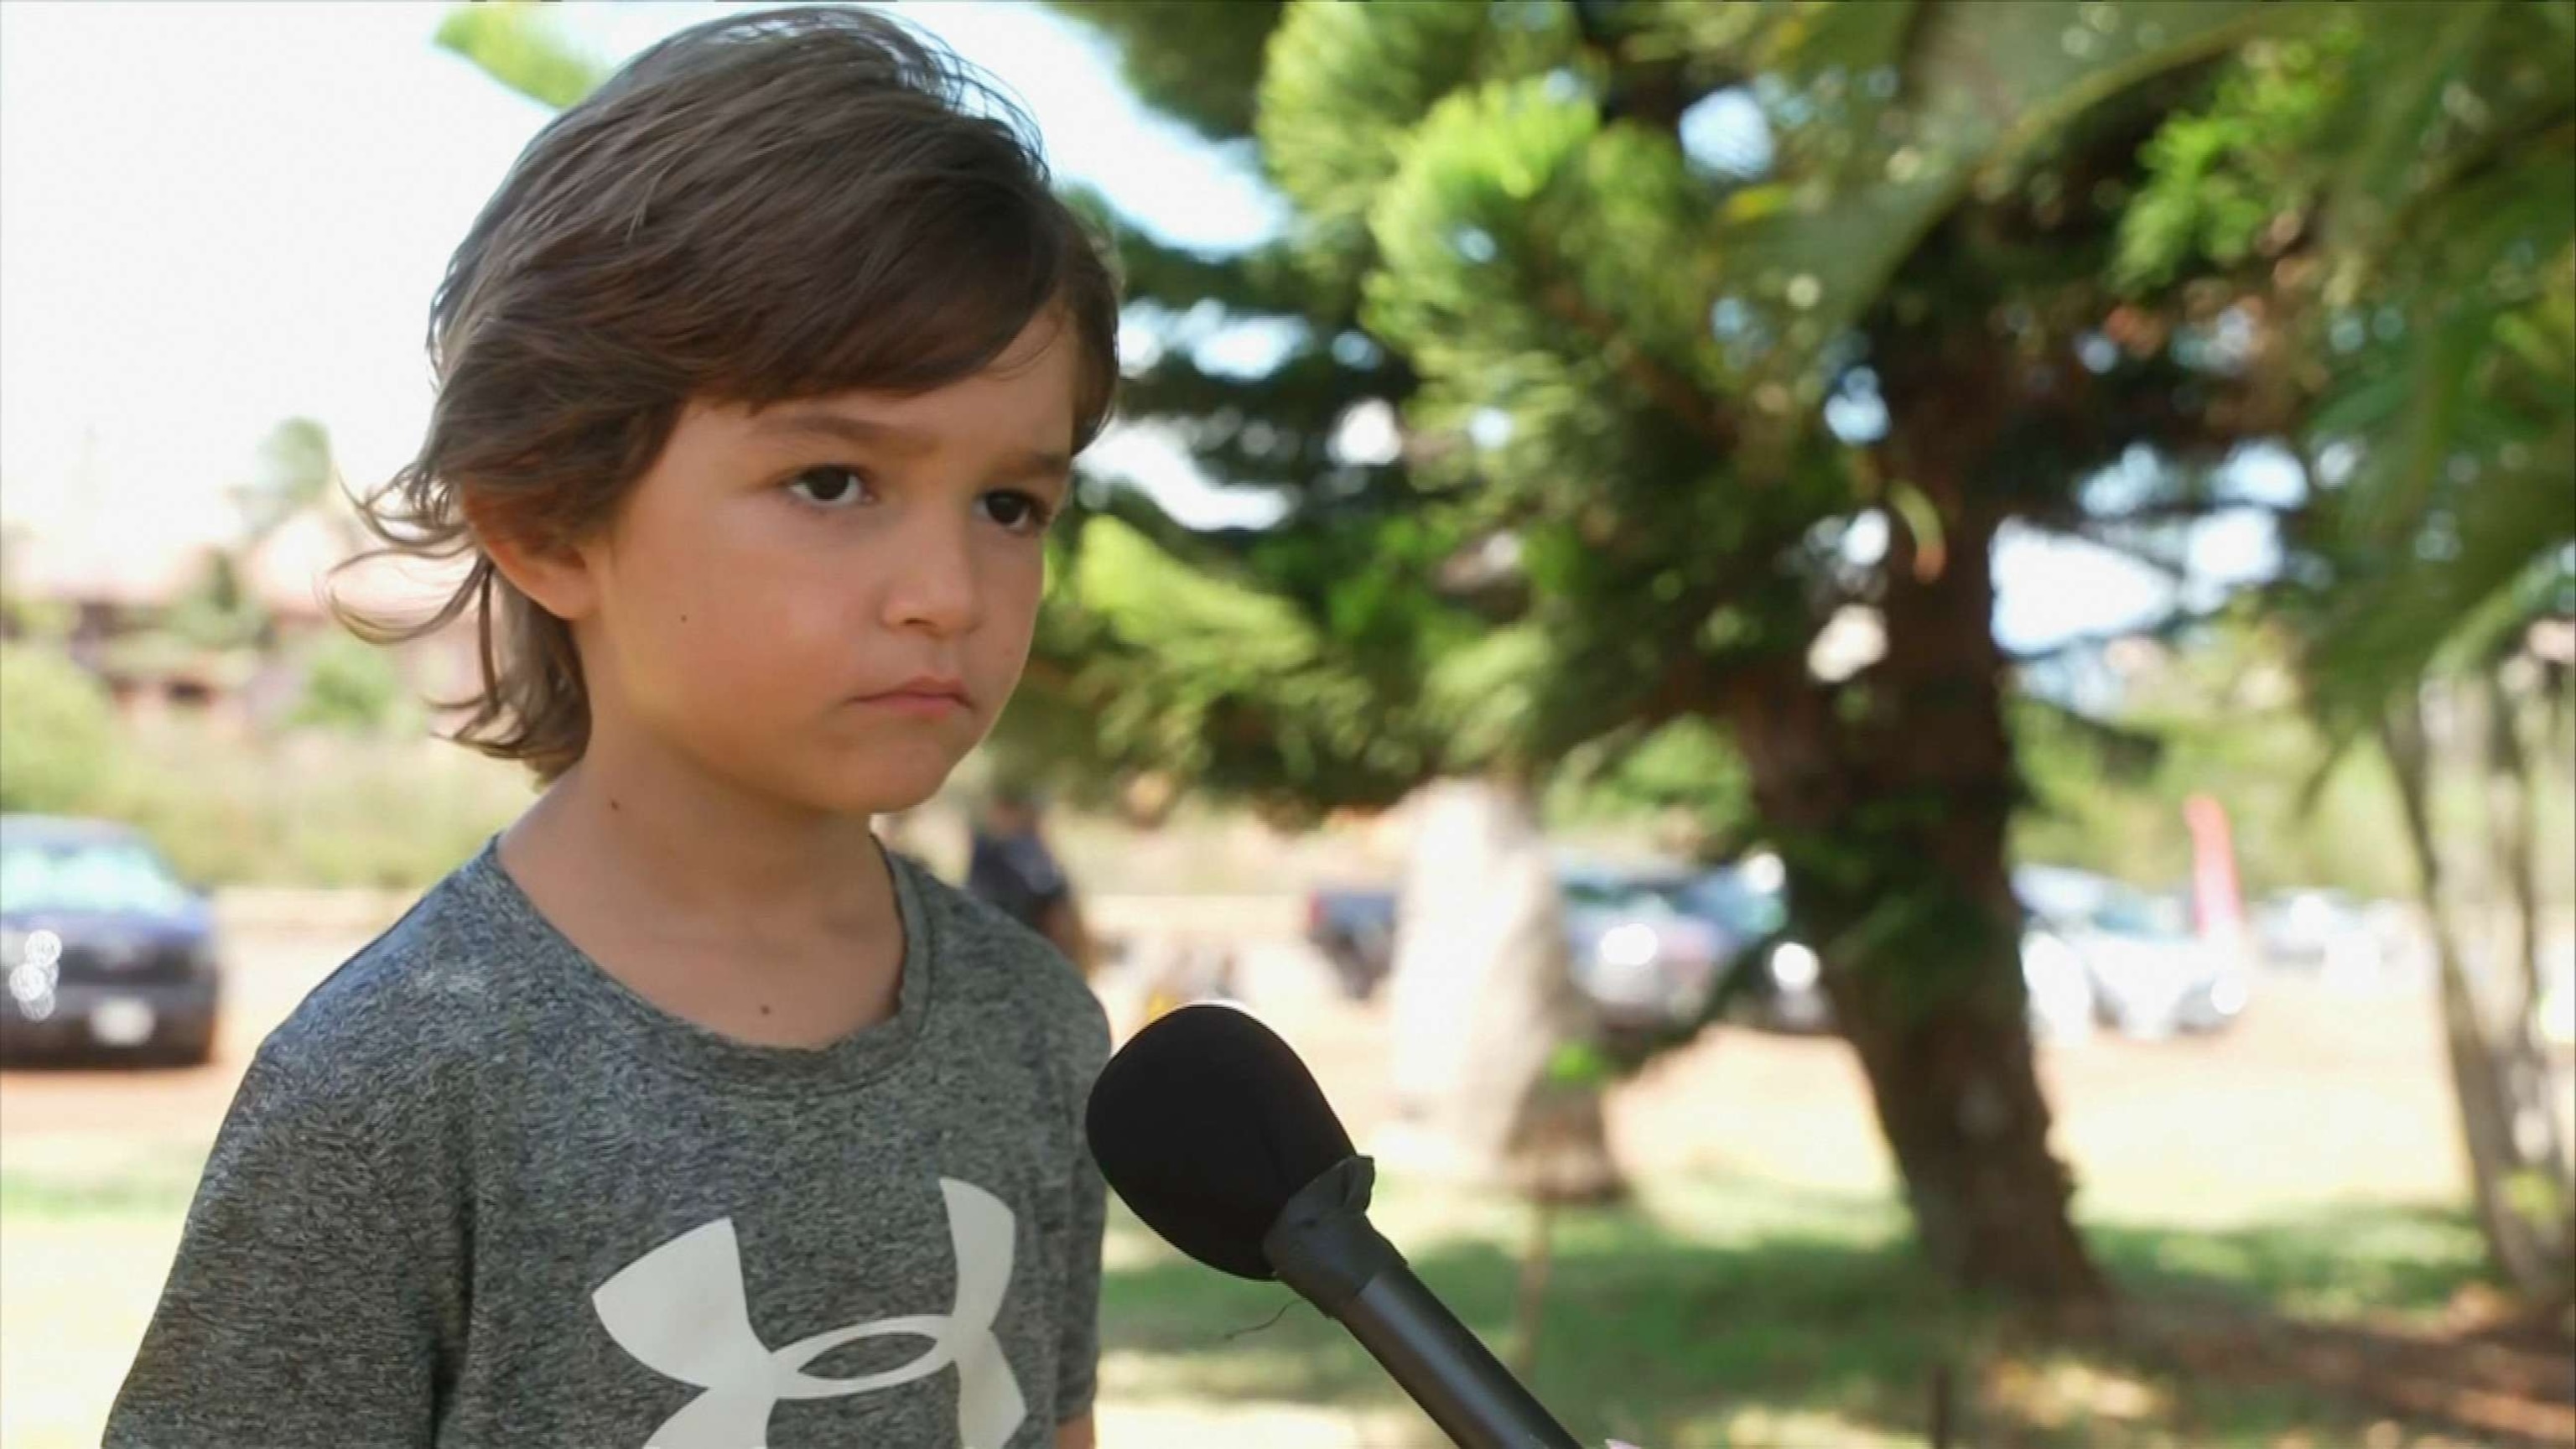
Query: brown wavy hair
[[782, 204]]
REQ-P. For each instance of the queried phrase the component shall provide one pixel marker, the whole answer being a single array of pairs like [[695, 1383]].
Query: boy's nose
[[933, 587]]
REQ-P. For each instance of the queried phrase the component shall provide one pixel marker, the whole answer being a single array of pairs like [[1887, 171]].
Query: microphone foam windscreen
[[1206, 1123]]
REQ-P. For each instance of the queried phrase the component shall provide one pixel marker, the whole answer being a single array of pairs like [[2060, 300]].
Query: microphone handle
[[1448, 1371]]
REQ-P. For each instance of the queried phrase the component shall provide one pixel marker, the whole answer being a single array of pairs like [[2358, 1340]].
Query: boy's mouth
[[926, 695]]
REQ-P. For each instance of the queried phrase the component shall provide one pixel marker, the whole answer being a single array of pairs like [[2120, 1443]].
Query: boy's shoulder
[[429, 1004], [993, 962], [401, 1010]]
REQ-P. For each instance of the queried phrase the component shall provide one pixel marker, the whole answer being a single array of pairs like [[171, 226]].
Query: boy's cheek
[[1009, 629]]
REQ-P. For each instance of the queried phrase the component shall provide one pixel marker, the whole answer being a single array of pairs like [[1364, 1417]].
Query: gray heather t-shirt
[[476, 1192]]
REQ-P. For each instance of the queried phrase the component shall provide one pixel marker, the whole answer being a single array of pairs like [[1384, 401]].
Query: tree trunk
[[1482, 1001], [2514, 827], [1889, 794], [2517, 1166], [1960, 1103]]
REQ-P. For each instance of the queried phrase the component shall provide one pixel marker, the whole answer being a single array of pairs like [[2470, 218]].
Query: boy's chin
[[880, 786], [880, 777]]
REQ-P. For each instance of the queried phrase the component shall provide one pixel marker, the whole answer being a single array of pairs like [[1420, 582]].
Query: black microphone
[[1214, 1132]]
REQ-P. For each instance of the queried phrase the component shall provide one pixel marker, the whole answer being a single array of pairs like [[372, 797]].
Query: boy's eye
[[831, 486], [1016, 511]]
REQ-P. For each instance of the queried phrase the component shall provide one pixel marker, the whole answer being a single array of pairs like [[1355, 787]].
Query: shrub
[[57, 732]]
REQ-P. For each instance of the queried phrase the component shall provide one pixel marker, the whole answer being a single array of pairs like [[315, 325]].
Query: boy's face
[[828, 601]]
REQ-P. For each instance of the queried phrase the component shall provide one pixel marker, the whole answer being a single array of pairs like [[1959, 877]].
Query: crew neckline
[[701, 1051]]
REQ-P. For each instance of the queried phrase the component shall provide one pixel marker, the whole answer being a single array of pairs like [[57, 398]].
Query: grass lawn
[[1731, 1313], [1711, 1312], [2274, 1206], [85, 1238]]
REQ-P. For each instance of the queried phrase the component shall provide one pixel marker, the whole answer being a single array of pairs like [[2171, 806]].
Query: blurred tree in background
[[221, 612], [519, 46], [2431, 327], [1671, 298], [218, 613], [1629, 255], [352, 686], [56, 745], [2223, 717], [295, 471]]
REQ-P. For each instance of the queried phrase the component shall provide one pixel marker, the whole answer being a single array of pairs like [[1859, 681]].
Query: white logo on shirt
[[680, 1311]]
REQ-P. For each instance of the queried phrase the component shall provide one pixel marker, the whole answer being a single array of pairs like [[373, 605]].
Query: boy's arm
[[1078, 1345], [299, 1311], [1078, 1333]]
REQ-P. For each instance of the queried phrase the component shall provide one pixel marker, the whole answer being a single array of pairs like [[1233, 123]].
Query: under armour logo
[[680, 1311]]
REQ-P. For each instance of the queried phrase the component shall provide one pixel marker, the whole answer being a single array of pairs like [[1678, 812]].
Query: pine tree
[[1671, 299]]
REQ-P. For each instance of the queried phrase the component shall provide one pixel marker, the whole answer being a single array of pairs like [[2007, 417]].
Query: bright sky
[[214, 217]]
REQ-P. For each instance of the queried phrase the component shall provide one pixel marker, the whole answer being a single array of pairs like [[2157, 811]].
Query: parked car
[[1651, 946], [103, 946], [2064, 1007], [1770, 978], [1636, 953], [2315, 930], [1645, 960], [2150, 973], [1776, 981]]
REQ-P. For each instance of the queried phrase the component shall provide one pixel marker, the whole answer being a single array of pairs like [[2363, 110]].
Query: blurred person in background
[[1010, 866]]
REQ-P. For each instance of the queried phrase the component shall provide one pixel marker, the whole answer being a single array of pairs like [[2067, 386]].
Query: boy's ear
[[557, 579]]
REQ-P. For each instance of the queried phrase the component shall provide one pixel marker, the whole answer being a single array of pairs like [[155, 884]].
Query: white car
[[2324, 931], [1788, 994], [2150, 974], [2062, 1008]]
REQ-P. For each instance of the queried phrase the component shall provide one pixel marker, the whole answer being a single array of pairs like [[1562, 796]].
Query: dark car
[[103, 946]]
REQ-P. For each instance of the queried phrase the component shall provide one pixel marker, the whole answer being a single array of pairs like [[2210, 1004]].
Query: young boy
[[682, 1115]]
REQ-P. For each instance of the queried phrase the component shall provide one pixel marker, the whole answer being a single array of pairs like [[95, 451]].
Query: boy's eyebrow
[[895, 438]]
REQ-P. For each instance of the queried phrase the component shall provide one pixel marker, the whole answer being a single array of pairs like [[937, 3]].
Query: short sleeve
[[297, 1312], [1078, 1343], [1078, 1346]]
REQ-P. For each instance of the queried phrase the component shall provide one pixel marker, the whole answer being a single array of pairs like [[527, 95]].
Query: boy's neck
[[696, 855], [769, 930]]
